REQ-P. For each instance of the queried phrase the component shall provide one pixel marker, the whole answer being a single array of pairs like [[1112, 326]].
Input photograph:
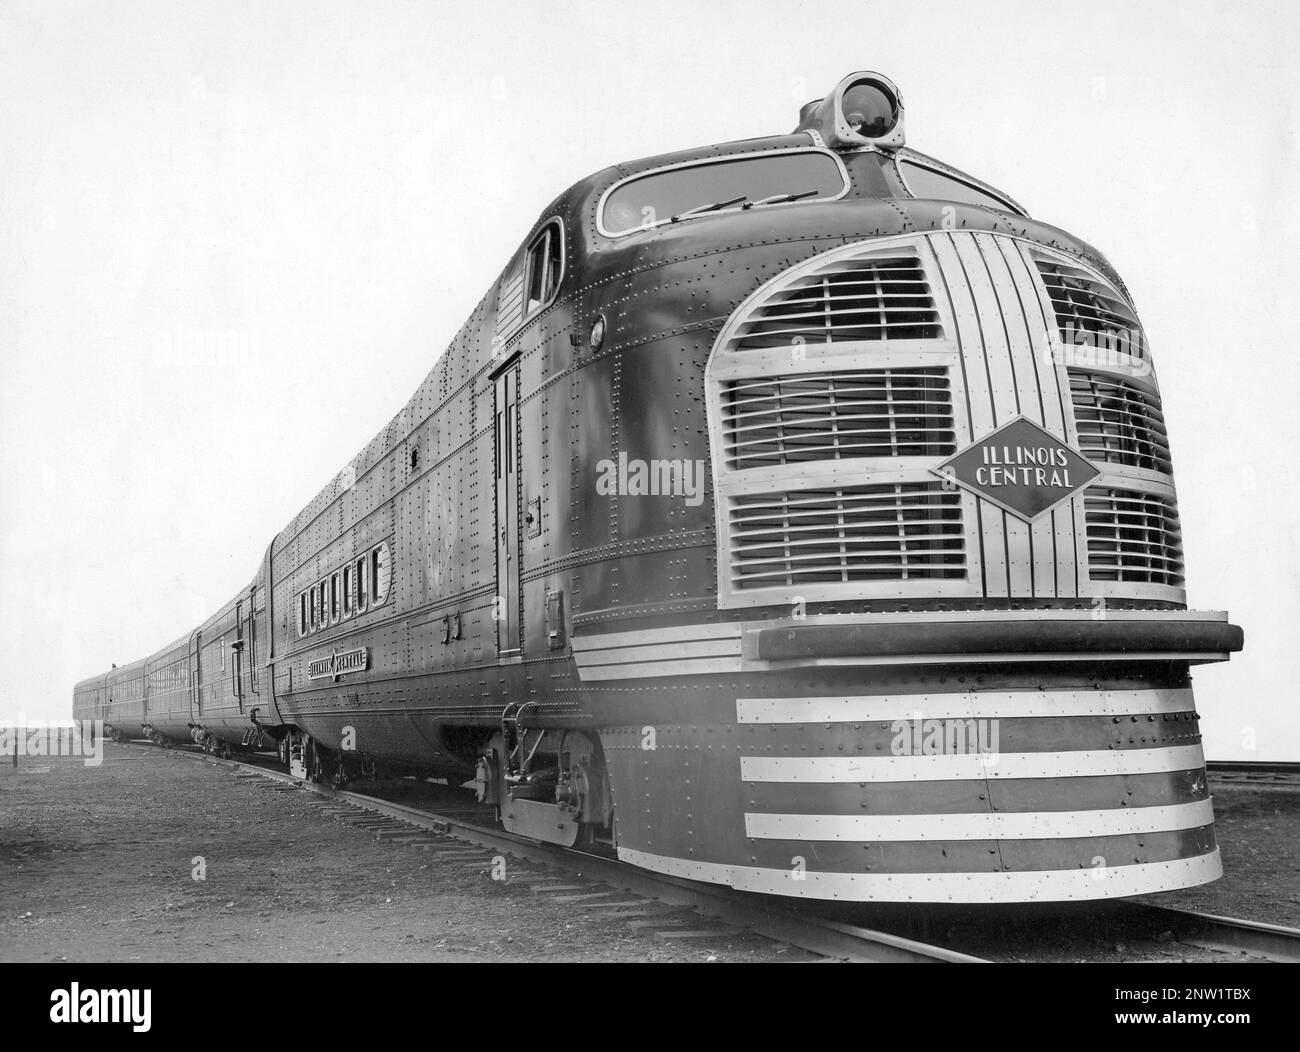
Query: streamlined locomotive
[[793, 513]]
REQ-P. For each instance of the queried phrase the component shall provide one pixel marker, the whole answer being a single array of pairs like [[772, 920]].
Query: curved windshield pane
[[936, 186], [658, 197]]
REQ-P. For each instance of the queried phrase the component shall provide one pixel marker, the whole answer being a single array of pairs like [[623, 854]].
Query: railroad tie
[[566, 899], [702, 933], [639, 925], [610, 913], [528, 878]]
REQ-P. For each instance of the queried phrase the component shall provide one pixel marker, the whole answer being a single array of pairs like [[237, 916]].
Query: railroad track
[[1224, 934], [638, 895], [630, 893], [1237, 773]]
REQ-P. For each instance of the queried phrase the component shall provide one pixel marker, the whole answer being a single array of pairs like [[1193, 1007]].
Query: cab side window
[[545, 262]]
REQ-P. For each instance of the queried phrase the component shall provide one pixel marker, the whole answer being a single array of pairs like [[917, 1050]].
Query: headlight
[[865, 109], [869, 108]]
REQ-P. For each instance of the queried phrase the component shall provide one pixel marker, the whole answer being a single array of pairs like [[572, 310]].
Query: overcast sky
[[234, 238]]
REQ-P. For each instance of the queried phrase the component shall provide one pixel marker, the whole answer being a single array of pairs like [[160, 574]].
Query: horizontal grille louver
[[898, 532], [1119, 422], [1088, 311], [831, 416], [510, 304], [878, 298], [1133, 537]]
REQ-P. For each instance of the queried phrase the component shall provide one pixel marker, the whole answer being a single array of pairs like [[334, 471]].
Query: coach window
[[315, 607], [335, 599], [324, 589], [380, 573], [363, 583], [545, 261], [347, 590], [302, 614]]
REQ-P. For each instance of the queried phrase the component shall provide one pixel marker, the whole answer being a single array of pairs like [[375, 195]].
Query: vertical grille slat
[[1119, 422], [1133, 537], [1088, 311]]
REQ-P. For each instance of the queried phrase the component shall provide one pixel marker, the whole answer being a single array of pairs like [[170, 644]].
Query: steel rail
[[1211, 931], [1260, 774]]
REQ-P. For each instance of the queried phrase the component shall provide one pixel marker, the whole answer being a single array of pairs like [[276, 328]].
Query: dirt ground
[[1259, 836], [98, 864]]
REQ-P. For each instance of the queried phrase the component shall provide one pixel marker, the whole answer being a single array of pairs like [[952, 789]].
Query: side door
[[196, 677], [237, 662], [505, 608]]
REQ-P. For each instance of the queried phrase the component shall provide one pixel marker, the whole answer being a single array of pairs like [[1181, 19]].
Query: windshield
[[712, 186], [931, 184]]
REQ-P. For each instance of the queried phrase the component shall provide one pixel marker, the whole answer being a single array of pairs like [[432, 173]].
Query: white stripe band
[[1053, 885], [657, 636], [984, 825], [668, 653], [1083, 763], [679, 667], [1005, 705]]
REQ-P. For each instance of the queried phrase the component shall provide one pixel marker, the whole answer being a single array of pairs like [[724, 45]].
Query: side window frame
[[987, 191], [550, 239], [847, 183], [373, 558]]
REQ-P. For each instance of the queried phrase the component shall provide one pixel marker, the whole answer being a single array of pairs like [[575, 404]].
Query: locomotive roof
[[578, 204]]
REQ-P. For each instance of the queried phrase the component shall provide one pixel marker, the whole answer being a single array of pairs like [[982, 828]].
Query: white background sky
[[234, 238]]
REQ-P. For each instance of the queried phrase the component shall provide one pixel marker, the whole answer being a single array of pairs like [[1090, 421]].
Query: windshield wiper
[[698, 209], [778, 199]]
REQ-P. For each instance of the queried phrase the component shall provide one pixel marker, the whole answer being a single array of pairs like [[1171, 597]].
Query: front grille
[[1133, 537], [896, 532], [1119, 422], [876, 298], [1088, 311], [831, 416]]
